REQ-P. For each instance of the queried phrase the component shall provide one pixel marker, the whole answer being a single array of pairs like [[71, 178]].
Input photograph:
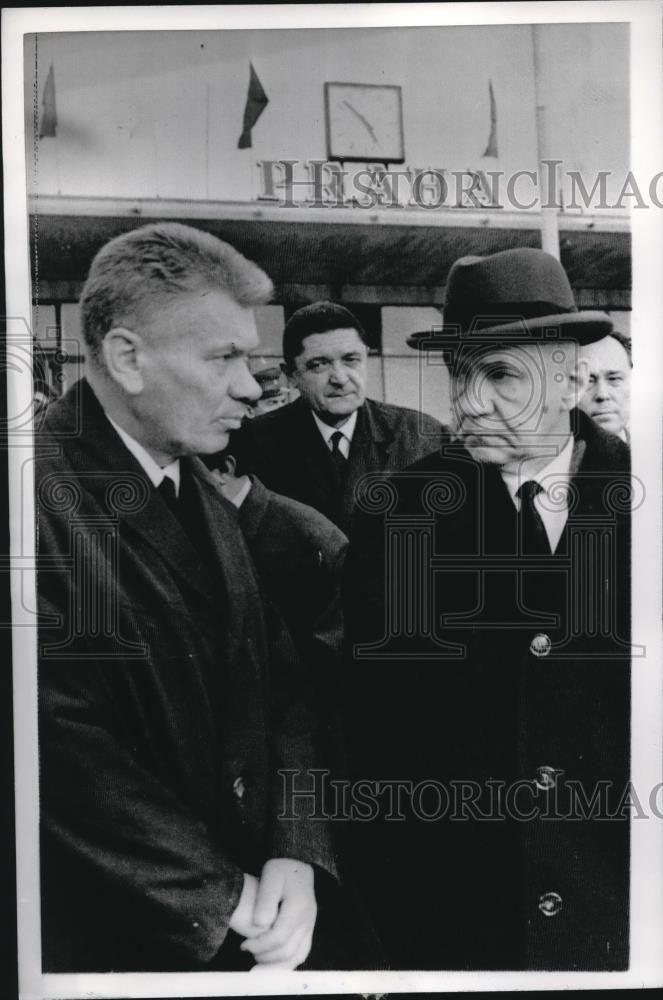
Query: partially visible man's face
[[265, 404], [196, 383], [607, 399], [512, 404], [331, 374]]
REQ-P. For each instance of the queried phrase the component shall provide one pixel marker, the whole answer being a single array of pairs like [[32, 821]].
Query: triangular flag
[[256, 102], [491, 148], [49, 118]]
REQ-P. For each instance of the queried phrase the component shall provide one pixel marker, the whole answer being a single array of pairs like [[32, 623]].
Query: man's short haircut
[[218, 460], [133, 273], [625, 341], [319, 317]]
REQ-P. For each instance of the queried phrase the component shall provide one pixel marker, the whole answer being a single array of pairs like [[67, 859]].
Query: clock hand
[[367, 125]]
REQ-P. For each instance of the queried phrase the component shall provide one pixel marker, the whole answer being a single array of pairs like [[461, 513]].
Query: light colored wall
[[159, 114], [622, 321]]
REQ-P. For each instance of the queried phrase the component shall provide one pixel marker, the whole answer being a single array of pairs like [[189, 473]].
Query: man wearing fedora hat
[[488, 615]]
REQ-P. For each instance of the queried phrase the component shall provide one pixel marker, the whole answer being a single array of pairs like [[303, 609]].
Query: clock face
[[364, 122]]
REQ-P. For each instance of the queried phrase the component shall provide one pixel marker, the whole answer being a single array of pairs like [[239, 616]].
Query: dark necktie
[[338, 458], [167, 490], [533, 536], [178, 504], [186, 509]]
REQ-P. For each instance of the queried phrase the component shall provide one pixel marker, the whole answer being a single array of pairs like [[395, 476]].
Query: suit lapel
[[499, 515], [254, 510], [484, 520], [371, 442], [227, 540], [216, 513], [369, 452], [159, 527], [595, 465], [315, 455], [120, 488]]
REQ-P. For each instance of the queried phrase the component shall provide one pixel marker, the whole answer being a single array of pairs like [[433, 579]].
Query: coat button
[[540, 644], [239, 787], [550, 903], [546, 777]]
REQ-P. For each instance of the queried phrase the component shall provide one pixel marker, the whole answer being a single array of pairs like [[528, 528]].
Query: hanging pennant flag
[[49, 118], [491, 148], [256, 102]]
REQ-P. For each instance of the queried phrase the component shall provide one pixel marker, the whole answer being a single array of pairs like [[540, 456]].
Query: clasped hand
[[276, 914]]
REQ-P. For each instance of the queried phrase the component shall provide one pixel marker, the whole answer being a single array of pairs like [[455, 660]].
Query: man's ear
[[578, 381], [230, 463], [121, 350]]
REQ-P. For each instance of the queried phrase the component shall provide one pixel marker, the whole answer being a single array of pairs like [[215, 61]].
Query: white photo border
[[644, 17]]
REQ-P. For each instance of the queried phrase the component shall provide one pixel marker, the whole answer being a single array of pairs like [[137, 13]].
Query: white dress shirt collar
[[552, 501], [242, 493], [347, 429], [154, 472]]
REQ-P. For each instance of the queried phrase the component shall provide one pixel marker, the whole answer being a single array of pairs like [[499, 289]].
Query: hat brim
[[583, 327]]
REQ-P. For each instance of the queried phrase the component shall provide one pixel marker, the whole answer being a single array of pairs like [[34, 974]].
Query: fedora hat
[[514, 296]]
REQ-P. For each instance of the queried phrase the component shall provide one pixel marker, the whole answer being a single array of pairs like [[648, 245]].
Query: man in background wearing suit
[[316, 448], [299, 555], [164, 716]]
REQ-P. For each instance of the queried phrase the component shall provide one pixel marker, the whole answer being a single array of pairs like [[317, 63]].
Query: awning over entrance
[[374, 263]]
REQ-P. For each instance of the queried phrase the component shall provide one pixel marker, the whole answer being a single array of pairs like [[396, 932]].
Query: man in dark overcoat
[[164, 715], [299, 555], [487, 685], [318, 447]]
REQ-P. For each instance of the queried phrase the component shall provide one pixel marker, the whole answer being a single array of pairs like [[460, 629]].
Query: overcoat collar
[[376, 424], [254, 509], [107, 470], [599, 460], [371, 441]]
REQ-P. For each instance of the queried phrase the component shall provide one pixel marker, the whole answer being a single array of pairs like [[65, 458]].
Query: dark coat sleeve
[[315, 617], [299, 555], [104, 810], [129, 829], [143, 737], [299, 830]]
